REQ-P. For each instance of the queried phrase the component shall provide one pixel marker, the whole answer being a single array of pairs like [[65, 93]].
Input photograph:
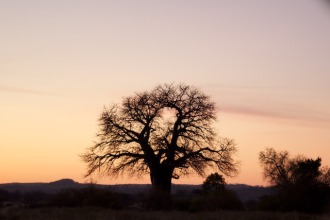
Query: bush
[[90, 196], [309, 200], [221, 200], [157, 200]]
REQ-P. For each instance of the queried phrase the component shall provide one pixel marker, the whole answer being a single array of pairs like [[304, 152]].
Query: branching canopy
[[170, 125], [283, 171], [275, 165]]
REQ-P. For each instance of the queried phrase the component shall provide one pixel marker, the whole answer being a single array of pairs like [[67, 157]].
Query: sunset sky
[[265, 63]]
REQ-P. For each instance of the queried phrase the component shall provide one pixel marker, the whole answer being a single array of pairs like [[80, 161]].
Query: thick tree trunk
[[161, 179], [160, 196]]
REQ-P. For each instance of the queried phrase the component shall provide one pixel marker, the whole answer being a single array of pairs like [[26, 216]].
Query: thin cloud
[[290, 111], [252, 111], [249, 87], [23, 90], [297, 115]]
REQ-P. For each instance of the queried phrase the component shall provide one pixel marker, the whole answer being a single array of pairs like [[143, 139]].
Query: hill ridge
[[244, 192]]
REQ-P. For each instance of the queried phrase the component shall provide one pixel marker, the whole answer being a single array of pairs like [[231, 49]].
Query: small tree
[[166, 132], [275, 166], [302, 183], [214, 182], [215, 196], [305, 171], [282, 171]]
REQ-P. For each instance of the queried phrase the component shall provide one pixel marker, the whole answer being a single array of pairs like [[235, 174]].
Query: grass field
[[99, 213]]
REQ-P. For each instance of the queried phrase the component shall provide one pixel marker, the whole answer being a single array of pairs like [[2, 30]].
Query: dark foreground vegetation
[[93, 196], [101, 213], [301, 183], [211, 201], [300, 191]]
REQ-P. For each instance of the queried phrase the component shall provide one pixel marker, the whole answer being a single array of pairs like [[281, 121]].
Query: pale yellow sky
[[265, 64]]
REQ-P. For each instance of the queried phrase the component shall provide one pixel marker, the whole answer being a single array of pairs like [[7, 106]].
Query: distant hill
[[247, 192], [52, 187], [244, 192]]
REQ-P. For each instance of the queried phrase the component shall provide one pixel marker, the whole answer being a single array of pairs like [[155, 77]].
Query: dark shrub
[[157, 200], [90, 196], [221, 200]]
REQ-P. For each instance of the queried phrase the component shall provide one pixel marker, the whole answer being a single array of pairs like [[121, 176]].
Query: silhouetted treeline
[[301, 183], [183, 201], [194, 201], [303, 199], [90, 196], [26, 199]]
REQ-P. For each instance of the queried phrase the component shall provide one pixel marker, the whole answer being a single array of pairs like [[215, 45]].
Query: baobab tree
[[166, 133]]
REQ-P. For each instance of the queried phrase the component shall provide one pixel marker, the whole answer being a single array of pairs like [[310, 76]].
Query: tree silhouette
[[302, 183], [325, 175], [214, 182], [281, 170], [305, 171], [275, 166], [166, 132]]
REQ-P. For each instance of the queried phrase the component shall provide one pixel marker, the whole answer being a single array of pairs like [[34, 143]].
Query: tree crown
[[214, 182], [282, 170], [169, 126]]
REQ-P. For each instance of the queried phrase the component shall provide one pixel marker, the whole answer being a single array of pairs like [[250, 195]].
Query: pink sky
[[265, 64]]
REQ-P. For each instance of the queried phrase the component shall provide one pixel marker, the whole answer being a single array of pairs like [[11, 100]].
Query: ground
[[99, 213]]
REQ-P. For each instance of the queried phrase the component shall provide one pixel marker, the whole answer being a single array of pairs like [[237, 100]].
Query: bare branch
[[168, 130]]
